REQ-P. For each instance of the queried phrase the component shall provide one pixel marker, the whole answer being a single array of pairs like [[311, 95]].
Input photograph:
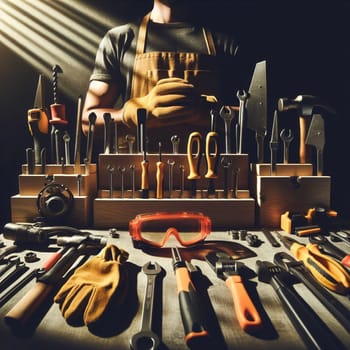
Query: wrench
[[12, 260], [227, 114], [242, 96], [287, 138], [146, 338]]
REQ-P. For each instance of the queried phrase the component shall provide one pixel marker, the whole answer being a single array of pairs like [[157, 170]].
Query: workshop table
[[53, 332]]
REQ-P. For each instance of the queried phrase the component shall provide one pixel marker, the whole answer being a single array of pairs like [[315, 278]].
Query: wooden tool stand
[[81, 183], [117, 203], [293, 188]]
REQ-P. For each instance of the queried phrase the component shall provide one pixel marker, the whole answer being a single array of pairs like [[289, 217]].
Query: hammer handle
[[246, 313], [304, 151]]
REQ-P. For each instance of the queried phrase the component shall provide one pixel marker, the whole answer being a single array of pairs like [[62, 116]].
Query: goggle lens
[[156, 229]]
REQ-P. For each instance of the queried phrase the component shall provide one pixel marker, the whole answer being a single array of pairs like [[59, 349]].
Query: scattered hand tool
[[232, 272], [58, 119], [312, 330], [146, 335], [107, 118], [213, 119], [141, 129], [212, 158], [31, 275], [194, 157], [316, 137], [256, 107], [298, 269], [274, 144], [325, 269], [190, 305], [286, 138], [227, 114], [242, 96], [326, 247], [77, 143], [144, 177], [175, 140], [160, 173], [11, 261], [305, 105], [20, 316], [19, 270], [270, 237], [340, 235]]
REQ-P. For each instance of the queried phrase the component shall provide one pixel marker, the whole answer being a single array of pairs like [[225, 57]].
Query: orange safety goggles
[[155, 229]]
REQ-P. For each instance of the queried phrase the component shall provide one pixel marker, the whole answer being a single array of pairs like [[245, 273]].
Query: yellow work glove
[[84, 297], [170, 98]]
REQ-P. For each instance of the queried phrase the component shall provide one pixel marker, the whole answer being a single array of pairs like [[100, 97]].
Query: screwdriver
[[141, 127], [160, 173], [274, 144], [189, 300], [326, 270]]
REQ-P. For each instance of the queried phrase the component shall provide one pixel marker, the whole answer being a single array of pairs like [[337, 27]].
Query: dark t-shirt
[[116, 53]]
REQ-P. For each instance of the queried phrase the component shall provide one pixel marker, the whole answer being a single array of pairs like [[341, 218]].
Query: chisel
[[160, 173]]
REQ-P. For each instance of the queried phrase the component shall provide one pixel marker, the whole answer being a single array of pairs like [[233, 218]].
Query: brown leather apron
[[149, 67]]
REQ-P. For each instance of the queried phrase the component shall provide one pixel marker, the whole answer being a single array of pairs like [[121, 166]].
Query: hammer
[[304, 104]]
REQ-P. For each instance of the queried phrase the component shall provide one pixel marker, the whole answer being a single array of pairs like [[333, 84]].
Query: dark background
[[305, 44]]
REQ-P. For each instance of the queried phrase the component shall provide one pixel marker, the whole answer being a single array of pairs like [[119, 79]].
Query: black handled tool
[[313, 331], [298, 269], [190, 306]]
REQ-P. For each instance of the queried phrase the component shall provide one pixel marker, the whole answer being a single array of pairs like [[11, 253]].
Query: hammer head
[[267, 271], [305, 104]]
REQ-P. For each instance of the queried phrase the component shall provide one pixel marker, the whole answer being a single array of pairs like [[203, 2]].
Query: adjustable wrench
[[146, 335], [227, 114], [287, 138]]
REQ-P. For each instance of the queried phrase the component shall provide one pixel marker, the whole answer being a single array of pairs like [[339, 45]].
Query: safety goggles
[[155, 229]]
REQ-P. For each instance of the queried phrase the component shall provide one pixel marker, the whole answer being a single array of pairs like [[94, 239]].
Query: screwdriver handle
[[160, 178], [246, 313], [144, 179], [190, 307], [194, 143], [212, 138]]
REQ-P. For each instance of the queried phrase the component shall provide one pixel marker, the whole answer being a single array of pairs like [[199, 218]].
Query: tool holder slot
[[293, 188], [239, 161], [116, 206]]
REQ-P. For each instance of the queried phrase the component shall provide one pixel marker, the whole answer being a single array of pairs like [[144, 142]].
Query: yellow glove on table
[[84, 297], [169, 98]]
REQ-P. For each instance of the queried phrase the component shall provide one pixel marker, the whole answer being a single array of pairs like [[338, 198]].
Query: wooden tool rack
[[117, 203], [81, 182]]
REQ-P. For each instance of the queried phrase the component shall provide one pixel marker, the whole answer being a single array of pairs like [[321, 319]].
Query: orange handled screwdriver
[[190, 306], [160, 173]]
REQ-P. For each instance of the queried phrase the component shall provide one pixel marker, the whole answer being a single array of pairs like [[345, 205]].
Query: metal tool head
[[266, 270], [316, 135], [223, 265], [274, 132], [39, 100], [151, 268], [256, 104], [286, 261]]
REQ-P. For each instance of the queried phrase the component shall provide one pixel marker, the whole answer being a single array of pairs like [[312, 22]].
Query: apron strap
[[141, 39]]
